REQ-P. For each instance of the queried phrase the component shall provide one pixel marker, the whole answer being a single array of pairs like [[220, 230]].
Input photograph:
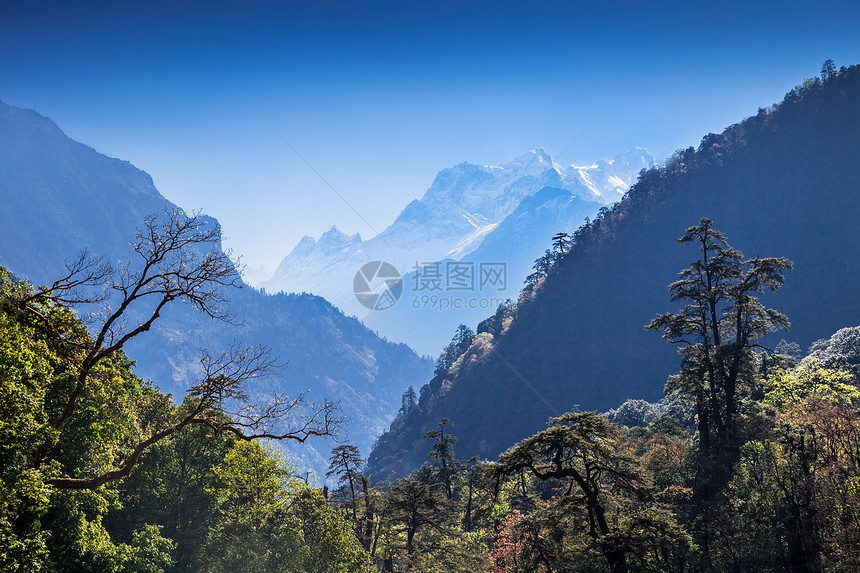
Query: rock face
[[581, 342], [462, 211], [60, 196]]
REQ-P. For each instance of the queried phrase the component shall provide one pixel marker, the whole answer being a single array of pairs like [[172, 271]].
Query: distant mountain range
[[60, 196], [783, 183], [475, 213]]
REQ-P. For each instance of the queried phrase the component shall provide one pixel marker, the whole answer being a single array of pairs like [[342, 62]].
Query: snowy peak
[[534, 162], [334, 240], [607, 181], [308, 267], [331, 242], [490, 192], [304, 247], [463, 206], [541, 155], [415, 212], [628, 165], [452, 183]]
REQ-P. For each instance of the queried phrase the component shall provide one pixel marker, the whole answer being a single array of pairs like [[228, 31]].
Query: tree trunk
[[368, 516]]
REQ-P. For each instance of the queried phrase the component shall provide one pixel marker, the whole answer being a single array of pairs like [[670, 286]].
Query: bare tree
[[219, 402], [178, 258]]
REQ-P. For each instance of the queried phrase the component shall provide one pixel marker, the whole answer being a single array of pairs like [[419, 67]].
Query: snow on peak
[[462, 206], [542, 155], [607, 181], [637, 158], [334, 237], [531, 163], [489, 192], [332, 241], [305, 246]]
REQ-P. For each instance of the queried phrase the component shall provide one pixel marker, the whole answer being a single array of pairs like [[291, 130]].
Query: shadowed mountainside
[[785, 182]]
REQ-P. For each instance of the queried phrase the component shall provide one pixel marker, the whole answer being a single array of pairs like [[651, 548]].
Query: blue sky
[[379, 96]]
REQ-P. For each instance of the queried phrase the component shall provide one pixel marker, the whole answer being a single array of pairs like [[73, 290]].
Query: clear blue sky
[[379, 96]]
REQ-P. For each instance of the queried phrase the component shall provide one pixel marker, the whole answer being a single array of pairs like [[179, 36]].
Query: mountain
[[60, 196], [465, 207], [515, 242], [785, 182], [255, 275]]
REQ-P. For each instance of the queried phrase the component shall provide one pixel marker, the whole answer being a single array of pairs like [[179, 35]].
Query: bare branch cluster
[[179, 258]]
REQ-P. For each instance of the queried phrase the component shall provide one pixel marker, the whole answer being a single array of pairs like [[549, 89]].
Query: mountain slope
[[783, 183], [60, 196], [516, 241]]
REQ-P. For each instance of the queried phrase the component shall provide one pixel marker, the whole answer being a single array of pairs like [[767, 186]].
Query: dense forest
[[750, 461], [103, 472]]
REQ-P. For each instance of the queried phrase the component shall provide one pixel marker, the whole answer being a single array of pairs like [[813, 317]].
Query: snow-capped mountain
[[609, 180], [517, 241], [462, 207]]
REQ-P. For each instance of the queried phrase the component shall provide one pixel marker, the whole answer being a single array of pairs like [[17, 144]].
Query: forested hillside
[[749, 463], [654, 493], [60, 196], [785, 182], [101, 472]]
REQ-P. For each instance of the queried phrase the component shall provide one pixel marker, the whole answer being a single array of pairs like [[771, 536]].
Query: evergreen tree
[[345, 462], [443, 452], [718, 328], [463, 338], [408, 400], [828, 70]]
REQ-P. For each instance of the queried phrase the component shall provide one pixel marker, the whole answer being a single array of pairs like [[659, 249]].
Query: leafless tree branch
[[281, 419]]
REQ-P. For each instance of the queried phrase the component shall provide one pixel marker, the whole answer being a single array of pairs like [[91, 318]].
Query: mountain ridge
[[579, 341], [461, 209]]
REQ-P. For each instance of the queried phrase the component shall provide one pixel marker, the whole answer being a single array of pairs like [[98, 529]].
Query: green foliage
[[269, 521], [501, 320], [546, 264], [809, 378], [792, 499], [327, 541], [587, 495], [463, 338], [842, 351], [149, 551], [197, 499], [25, 371], [443, 452]]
